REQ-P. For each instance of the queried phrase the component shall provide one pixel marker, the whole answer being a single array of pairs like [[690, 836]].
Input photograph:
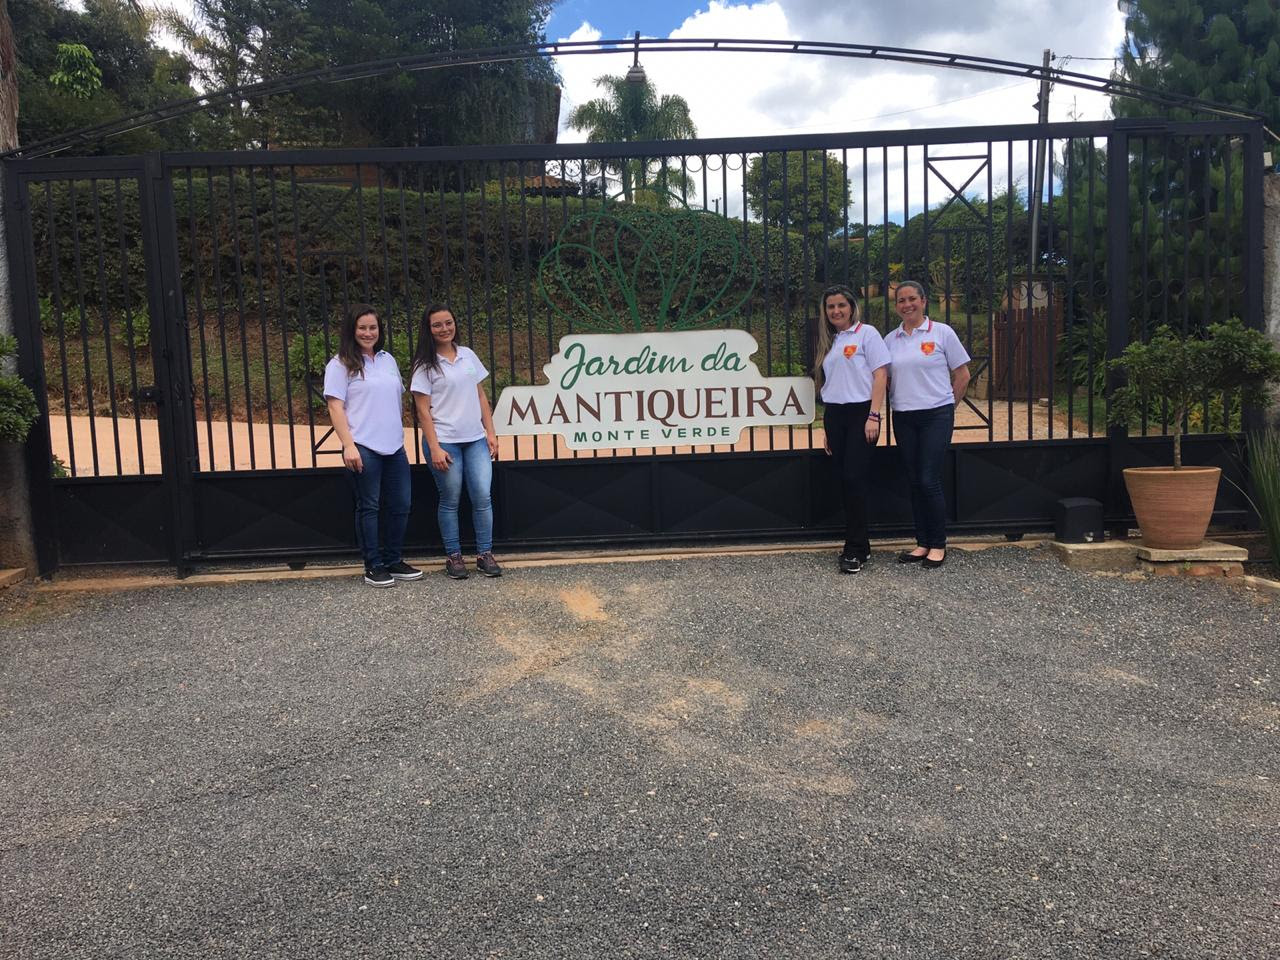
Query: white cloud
[[764, 94]]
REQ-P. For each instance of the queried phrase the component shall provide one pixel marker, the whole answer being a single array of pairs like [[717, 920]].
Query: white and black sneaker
[[850, 564], [379, 577], [402, 571]]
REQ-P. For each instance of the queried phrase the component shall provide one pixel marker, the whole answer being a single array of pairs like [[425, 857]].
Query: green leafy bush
[[18, 409], [48, 317], [1082, 358], [141, 323], [307, 355]]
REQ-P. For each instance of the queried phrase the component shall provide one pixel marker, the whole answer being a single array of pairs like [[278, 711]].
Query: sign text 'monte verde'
[[654, 390]]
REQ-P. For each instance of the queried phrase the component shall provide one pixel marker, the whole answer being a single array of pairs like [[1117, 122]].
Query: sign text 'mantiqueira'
[[654, 389]]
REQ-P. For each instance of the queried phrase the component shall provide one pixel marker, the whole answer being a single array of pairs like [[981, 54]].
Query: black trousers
[[845, 424]]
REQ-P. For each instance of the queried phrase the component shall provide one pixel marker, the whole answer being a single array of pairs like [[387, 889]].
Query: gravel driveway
[[709, 757]]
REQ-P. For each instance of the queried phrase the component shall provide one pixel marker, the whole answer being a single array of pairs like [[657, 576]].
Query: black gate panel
[[1020, 483], [575, 500], [292, 511], [734, 494], [111, 520]]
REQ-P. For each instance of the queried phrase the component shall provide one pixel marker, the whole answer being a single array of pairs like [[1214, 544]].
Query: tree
[[1222, 50], [514, 102], [17, 547], [8, 86], [77, 74], [632, 111], [802, 190], [234, 43], [59, 47]]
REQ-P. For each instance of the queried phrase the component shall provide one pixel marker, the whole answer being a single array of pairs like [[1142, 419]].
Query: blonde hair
[[826, 332]]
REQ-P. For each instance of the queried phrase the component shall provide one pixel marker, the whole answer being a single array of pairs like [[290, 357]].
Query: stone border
[[99, 579]]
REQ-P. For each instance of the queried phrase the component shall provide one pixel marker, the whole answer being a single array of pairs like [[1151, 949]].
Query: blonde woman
[[850, 371]]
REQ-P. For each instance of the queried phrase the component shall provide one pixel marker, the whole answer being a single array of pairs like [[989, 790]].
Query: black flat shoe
[[933, 564], [910, 557]]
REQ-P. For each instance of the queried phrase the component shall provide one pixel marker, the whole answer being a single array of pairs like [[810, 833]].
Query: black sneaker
[[455, 568], [402, 571], [850, 564], [378, 577], [487, 565]]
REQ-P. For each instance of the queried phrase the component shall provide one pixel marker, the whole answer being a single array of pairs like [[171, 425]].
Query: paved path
[[133, 446], [713, 757]]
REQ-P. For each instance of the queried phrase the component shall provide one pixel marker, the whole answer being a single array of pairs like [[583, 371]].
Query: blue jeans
[[382, 495], [472, 465], [923, 437]]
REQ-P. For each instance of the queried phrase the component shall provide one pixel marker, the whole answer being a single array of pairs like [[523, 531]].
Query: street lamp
[[636, 72]]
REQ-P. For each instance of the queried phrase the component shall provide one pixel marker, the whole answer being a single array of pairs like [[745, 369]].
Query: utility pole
[[1042, 105]]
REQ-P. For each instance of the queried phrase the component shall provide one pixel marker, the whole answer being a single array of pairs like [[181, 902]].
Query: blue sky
[[654, 18]]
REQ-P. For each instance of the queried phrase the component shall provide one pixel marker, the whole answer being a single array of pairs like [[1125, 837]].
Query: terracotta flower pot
[[1173, 507]]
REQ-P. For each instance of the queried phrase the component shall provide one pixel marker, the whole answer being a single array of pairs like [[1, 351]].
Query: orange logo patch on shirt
[[928, 347], [850, 350]]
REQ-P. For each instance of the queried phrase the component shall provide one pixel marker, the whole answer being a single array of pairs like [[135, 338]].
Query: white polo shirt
[[372, 401], [854, 356], [455, 403], [922, 364]]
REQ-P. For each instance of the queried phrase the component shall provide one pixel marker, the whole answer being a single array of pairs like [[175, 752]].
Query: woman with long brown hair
[[363, 390], [457, 436]]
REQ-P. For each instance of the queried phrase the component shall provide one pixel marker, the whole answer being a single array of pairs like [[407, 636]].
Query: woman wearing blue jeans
[[458, 436], [928, 375], [363, 390]]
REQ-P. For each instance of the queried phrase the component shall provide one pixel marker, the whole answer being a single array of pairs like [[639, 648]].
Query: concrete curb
[[89, 582], [1261, 584]]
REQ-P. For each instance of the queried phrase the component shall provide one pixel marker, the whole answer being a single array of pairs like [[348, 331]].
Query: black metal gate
[[175, 310]]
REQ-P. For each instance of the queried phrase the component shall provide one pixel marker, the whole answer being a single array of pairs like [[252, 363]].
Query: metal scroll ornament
[[626, 269]]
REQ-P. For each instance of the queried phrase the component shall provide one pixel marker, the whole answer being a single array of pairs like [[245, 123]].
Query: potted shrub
[[1174, 504]]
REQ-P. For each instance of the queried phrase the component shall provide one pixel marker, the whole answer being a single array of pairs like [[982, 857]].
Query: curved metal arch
[[476, 57]]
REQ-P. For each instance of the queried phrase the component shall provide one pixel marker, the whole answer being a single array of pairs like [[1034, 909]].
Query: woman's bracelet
[[873, 415]]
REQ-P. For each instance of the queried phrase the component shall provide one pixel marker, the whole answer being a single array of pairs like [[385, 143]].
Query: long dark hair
[[424, 355], [826, 332], [348, 350]]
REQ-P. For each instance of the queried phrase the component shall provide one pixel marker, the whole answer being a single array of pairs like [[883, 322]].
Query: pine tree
[[1221, 50]]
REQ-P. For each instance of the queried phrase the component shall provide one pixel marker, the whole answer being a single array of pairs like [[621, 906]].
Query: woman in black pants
[[850, 371], [930, 375]]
